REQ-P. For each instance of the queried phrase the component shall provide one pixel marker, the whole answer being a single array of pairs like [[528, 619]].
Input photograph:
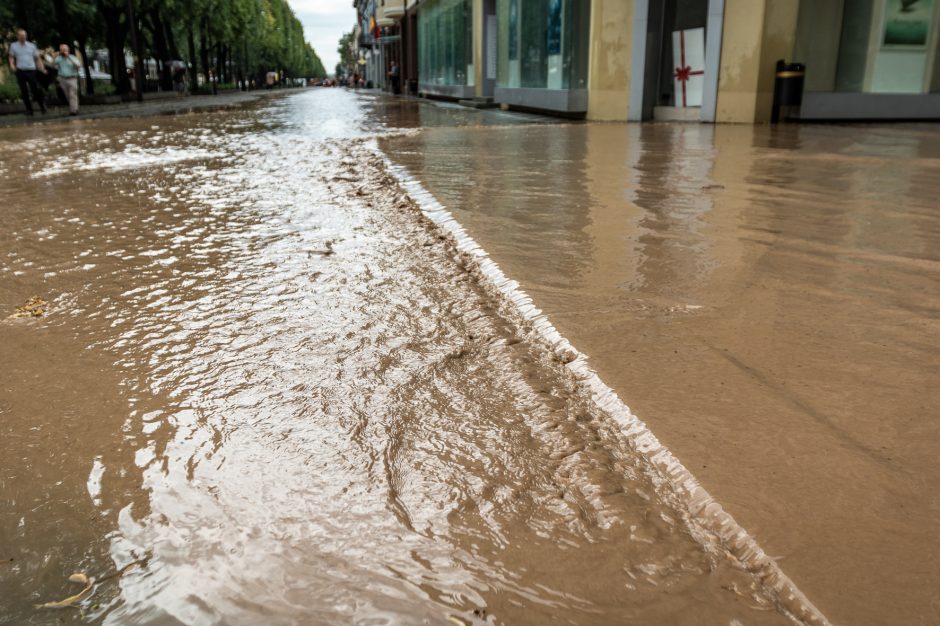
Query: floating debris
[[84, 594], [479, 617], [34, 307]]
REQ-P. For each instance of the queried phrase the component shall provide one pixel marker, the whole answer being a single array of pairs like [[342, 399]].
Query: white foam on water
[[133, 157]]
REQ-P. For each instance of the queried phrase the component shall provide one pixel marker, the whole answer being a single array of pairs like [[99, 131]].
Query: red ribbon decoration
[[684, 72]]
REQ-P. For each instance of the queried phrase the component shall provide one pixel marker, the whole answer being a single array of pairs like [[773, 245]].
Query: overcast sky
[[324, 22]]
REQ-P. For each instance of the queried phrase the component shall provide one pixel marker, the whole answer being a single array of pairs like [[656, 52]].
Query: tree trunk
[[204, 52], [89, 83], [240, 69], [247, 62], [115, 36], [171, 41], [219, 65], [193, 68], [155, 26], [62, 23]]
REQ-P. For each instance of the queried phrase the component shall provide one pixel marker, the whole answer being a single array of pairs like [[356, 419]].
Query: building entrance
[[675, 66]]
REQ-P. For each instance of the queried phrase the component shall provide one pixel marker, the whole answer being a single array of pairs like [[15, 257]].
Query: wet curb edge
[[701, 506]]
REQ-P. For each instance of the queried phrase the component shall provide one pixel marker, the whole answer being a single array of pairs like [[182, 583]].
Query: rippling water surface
[[766, 299], [263, 392]]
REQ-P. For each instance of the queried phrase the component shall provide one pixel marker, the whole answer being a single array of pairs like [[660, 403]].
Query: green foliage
[[347, 53], [236, 38], [9, 90], [104, 88]]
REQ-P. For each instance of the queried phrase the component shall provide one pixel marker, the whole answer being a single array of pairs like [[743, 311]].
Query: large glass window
[[872, 46], [445, 42], [543, 43]]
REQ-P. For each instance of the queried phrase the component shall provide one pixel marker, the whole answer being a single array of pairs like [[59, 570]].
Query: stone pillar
[[609, 60], [479, 45], [756, 33]]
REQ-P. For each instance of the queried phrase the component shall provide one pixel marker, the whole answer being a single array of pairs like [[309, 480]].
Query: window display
[[543, 44]]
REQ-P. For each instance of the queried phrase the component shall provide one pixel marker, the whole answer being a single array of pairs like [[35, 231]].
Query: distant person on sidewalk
[[394, 76], [68, 67], [179, 77], [25, 60]]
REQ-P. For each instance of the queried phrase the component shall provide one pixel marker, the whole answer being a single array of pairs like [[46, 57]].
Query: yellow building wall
[[755, 35], [478, 45], [609, 61]]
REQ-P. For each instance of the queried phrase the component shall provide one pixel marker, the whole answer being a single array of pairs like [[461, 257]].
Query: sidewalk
[[161, 106], [765, 300]]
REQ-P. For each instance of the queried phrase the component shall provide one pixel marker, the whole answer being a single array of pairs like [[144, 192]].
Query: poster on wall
[[907, 23], [513, 29], [554, 27]]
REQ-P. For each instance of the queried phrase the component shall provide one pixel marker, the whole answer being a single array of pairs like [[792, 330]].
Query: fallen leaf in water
[[34, 307], [78, 597]]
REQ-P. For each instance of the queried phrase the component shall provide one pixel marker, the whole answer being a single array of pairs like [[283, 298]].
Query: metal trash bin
[[788, 90]]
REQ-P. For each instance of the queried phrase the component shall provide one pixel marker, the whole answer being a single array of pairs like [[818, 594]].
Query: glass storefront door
[[542, 44], [445, 43], [682, 53]]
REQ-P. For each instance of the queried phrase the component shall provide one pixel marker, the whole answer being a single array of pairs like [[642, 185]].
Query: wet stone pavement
[[766, 300], [264, 391]]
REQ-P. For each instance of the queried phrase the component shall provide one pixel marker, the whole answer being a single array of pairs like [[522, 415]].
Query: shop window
[[543, 44], [870, 46], [445, 42]]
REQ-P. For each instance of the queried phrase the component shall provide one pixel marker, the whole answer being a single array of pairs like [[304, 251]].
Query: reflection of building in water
[[692, 60], [523, 190], [671, 168]]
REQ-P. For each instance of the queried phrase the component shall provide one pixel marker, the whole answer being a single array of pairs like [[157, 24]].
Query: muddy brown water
[[768, 301], [263, 392]]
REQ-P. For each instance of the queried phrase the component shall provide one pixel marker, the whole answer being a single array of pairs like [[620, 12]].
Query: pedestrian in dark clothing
[[25, 61], [394, 76]]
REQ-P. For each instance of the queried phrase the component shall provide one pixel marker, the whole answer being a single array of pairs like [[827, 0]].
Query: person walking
[[179, 78], [394, 75], [68, 67], [25, 61]]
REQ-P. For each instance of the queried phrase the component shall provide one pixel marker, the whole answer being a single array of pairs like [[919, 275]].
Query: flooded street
[[265, 391], [767, 301]]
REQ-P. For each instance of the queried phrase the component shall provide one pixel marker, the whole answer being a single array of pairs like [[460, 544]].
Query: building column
[[756, 34], [479, 54], [609, 60], [484, 21]]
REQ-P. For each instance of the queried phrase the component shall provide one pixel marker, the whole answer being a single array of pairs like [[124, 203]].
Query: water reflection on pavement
[[766, 300], [263, 392]]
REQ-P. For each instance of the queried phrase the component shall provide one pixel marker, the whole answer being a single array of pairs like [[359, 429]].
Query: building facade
[[870, 58], [378, 38], [690, 60]]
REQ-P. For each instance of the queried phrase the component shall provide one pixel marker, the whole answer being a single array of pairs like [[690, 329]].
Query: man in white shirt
[[25, 60]]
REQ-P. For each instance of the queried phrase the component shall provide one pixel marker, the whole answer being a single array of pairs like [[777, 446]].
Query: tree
[[348, 57], [231, 39]]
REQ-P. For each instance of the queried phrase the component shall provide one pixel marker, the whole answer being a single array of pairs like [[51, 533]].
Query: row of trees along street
[[237, 41]]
